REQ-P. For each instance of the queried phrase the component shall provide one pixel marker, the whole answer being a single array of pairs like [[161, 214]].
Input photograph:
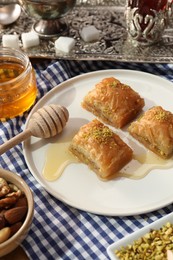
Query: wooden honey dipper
[[46, 122]]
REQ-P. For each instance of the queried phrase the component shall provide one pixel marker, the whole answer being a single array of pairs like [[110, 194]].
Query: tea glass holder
[[146, 20], [48, 15]]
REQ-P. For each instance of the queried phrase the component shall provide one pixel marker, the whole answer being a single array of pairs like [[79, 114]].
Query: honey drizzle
[[58, 158]]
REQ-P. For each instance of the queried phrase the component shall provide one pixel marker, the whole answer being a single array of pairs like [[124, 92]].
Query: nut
[[15, 227], [4, 188], [15, 194], [7, 202], [13, 187], [15, 215], [4, 234], [22, 201], [2, 222]]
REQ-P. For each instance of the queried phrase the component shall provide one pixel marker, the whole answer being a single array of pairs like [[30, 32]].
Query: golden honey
[[18, 88]]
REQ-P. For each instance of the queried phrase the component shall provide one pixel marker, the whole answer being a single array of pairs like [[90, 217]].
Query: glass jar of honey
[[18, 88]]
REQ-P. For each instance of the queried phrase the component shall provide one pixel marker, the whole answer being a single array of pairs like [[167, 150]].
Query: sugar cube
[[10, 40], [90, 33], [64, 44], [30, 39]]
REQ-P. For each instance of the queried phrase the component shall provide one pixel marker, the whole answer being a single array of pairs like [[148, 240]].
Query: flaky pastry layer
[[154, 129], [113, 103], [101, 149]]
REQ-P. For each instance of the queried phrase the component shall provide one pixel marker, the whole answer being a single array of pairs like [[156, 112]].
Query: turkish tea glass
[[146, 20]]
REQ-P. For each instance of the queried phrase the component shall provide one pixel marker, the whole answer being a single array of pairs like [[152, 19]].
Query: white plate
[[128, 240], [78, 186]]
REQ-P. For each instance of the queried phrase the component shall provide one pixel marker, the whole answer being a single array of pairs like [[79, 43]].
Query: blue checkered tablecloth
[[59, 231]]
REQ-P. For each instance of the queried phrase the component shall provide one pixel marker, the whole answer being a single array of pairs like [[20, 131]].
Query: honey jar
[[18, 87]]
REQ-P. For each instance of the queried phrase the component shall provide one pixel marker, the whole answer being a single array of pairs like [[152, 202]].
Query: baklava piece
[[101, 149], [155, 130], [113, 103]]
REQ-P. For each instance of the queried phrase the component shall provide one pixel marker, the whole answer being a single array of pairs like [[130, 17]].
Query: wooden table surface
[[17, 254]]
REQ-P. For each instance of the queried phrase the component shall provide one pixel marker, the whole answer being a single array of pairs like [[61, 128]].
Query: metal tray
[[108, 17]]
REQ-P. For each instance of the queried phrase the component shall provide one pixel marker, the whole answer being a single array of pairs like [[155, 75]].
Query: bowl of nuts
[[16, 211]]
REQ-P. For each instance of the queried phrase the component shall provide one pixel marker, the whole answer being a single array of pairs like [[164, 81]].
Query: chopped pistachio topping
[[117, 84], [161, 115], [112, 84], [123, 86], [107, 111], [99, 133]]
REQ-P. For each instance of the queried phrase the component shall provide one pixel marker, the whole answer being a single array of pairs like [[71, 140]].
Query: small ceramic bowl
[[15, 240]]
